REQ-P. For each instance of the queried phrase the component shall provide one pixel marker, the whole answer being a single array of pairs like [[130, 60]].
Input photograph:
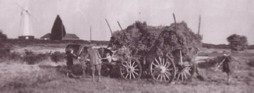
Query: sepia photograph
[[126, 46]]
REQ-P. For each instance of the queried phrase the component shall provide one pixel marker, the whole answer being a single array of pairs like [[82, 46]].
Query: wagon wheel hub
[[130, 69], [163, 69]]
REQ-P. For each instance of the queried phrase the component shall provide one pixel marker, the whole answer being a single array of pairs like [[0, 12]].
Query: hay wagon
[[164, 53]]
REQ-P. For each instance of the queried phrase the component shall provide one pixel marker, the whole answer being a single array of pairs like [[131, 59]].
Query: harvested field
[[44, 77], [61, 84]]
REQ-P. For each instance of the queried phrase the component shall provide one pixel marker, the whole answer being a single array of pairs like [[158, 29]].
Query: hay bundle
[[143, 40]]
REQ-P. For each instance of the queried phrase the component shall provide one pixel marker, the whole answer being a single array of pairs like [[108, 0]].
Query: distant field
[[42, 46]]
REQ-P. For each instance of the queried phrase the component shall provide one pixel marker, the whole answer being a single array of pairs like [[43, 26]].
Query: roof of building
[[68, 36]]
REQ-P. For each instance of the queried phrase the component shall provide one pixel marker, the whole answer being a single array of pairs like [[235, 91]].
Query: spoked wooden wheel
[[130, 69], [185, 72], [162, 69]]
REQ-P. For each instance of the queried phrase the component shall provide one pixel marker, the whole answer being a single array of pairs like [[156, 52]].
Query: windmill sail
[[58, 29], [26, 24]]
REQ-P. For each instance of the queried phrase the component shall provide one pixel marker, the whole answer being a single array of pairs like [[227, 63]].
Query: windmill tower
[[25, 24]]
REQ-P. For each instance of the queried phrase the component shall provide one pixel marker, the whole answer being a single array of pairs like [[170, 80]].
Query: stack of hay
[[144, 40]]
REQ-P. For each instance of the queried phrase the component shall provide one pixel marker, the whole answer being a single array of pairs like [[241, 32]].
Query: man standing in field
[[226, 65], [95, 61], [70, 56]]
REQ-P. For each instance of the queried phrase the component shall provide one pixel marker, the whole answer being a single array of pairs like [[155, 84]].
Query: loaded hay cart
[[167, 53]]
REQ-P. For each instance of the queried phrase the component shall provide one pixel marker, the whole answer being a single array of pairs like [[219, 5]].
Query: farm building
[[68, 36], [28, 37], [58, 32]]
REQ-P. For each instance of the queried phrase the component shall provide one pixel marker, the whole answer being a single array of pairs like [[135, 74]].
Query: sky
[[220, 18]]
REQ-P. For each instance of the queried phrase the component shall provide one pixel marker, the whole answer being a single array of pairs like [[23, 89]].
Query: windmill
[[25, 23]]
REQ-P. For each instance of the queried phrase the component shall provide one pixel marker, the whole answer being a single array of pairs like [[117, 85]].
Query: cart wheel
[[185, 72], [130, 69], [162, 69]]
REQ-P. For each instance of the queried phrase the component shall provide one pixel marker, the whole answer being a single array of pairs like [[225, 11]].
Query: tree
[[58, 29], [237, 42], [2, 36]]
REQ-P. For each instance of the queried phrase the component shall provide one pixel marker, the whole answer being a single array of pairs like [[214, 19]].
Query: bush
[[43, 56], [32, 58], [57, 56], [29, 57], [251, 62], [4, 49], [237, 42], [14, 56], [2, 36], [5, 53]]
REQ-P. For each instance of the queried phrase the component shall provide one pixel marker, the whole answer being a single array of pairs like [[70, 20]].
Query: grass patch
[[32, 58], [29, 79], [28, 57]]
